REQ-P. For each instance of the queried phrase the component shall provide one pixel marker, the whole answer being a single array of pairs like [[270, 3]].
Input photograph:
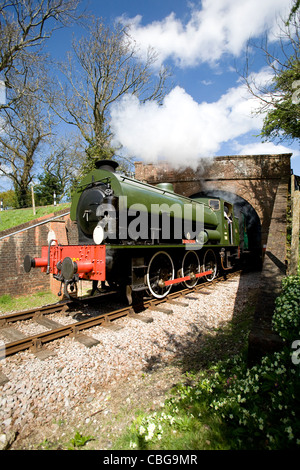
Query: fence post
[[33, 201]]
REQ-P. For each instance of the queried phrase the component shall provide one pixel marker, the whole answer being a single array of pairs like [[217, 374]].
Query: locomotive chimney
[[108, 165]]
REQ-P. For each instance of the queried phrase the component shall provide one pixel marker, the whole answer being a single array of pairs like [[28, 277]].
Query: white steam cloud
[[181, 131]]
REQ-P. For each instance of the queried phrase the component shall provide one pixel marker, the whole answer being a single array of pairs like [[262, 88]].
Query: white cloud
[[207, 82], [220, 27], [263, 148], [182, 131]]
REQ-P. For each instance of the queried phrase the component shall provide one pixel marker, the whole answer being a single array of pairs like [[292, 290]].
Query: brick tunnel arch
[[242, 206], [256, 178]]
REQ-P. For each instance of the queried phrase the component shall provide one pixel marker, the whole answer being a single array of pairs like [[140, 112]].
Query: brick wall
[[235, 167], [262, 338], [28, 239], [254, 178]]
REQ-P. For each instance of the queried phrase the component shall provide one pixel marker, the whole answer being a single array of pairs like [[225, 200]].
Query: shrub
[[257, 408], [286, 318], [260, 405]]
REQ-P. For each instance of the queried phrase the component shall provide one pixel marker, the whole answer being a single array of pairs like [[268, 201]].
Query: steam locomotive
[[139, 238]]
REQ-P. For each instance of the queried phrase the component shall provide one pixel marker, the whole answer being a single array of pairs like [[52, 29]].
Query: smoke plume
[[181, 131]]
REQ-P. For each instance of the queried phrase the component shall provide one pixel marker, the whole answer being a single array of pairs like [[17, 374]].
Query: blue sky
[[208, 112]]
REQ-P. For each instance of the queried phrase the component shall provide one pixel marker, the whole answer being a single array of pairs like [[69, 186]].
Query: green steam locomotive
[[137, 237]]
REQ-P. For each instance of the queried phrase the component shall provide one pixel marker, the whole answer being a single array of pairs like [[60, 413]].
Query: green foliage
[[23, 197], [231, 406], [5, 300], [9, 198], [286, 319], [294, 10], [183, 423], [94, 153], [45, 445], [79, 440], [49, 184], [282, 121], [260, 404]]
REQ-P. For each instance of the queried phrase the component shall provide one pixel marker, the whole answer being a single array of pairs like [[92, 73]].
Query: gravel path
[[81, 386]]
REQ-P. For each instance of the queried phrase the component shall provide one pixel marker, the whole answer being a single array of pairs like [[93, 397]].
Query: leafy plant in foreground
[[257, 408]]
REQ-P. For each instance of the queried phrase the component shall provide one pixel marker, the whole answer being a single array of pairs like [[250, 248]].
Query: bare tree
[[24, 26], [25, 129], [65, 161], [103, 67], [25, 121]]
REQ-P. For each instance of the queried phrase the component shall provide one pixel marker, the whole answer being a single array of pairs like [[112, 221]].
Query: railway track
[[75, 330]]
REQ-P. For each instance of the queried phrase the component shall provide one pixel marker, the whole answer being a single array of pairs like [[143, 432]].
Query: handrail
[[35, 225]]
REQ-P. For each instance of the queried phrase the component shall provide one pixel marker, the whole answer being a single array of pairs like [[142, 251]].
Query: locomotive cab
[[228, 223]]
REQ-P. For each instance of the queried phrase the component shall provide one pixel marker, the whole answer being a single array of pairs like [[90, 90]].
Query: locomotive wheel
[[190, 267], [160, 269], [210, 264]]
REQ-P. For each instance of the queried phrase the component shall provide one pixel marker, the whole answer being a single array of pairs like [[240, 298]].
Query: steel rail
[[48, 309], [30, 313], [35, 342]]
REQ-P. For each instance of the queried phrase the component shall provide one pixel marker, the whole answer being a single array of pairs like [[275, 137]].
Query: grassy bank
[[13, 217], [11, 304], [229, 406]]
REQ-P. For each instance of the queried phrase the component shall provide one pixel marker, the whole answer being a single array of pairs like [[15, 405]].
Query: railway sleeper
[[157, 308], [136, 316], [40, 351], [88, 341], [47, 322], [111, 325]]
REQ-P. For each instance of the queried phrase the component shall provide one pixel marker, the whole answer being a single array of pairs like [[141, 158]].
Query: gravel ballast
[[131, 366]]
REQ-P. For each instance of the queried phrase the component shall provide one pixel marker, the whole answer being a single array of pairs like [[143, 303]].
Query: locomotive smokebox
[[108, 165]]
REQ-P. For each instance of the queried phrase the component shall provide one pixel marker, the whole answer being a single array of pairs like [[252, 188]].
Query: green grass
[[10, 304], [12, 218], [228, 405], [186, 421]]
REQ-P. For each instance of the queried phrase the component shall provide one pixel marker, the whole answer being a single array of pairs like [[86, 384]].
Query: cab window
[[214, 204]]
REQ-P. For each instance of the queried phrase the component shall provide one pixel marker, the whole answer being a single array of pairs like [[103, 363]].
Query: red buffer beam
[[88, 261]]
